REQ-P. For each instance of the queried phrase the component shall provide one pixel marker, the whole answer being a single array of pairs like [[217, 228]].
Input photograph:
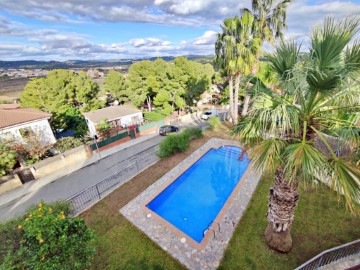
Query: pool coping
[[207, 254]]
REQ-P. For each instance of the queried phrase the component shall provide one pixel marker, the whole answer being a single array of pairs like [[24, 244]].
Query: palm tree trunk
[[231, 97], [247, 97], [283, 198], [148, 99], [246, 105], [236, 99]]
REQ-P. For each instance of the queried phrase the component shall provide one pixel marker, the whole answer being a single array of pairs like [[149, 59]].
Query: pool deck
[[209, 253]]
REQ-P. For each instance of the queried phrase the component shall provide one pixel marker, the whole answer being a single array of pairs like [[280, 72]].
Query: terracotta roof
[[110, 113], [14, 116]]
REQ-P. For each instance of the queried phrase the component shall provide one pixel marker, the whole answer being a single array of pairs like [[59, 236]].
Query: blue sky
[[121, 29]]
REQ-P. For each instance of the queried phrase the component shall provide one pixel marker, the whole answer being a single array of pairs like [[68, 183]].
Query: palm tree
[[236, 51], [270, 23], [293, 132]]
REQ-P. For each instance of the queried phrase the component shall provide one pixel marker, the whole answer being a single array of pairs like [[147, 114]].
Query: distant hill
[[31, 64]]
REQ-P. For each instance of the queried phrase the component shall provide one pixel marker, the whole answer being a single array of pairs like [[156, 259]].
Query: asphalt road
[[79, 180]]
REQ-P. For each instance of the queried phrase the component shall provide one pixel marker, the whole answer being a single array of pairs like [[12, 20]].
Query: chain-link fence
[[88, 197]]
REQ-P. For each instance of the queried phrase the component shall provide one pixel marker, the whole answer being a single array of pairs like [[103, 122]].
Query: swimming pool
[[194, 200]]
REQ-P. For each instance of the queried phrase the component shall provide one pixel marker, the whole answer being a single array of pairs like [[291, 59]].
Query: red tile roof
[[14, 116]]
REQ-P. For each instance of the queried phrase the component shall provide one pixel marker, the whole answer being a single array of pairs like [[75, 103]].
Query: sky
[[124, 29]]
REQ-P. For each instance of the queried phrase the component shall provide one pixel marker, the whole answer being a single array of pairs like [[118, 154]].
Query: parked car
[[208, 114], [165, 130]]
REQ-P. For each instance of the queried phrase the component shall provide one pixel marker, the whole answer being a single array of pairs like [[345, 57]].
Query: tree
[[286, 128], [195, 78], [115, 85], [271, 18], [142, 83], [8, 159], [50, 240], [270, 21], [237, 50], [65, 95]]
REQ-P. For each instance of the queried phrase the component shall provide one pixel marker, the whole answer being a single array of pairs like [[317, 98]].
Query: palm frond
[[275, 115], [303, 160], [267, 155], [330, 39], [347, 96], [284, 59], [247, 132], [327, 45], [352, 56], [345, 179]]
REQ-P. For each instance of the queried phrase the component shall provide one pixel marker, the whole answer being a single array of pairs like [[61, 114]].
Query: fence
[[88, 197], [332, 255], [109, 140], [151, 125], [125, 134]]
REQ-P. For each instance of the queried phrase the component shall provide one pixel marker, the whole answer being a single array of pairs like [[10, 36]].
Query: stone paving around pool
[[180, 247]]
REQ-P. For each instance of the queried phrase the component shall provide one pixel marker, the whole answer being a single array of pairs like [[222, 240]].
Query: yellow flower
[[50, 210], [39, 216], [41, 241], [30, 216], [42, 258], [19, 227], [40, 205], [26, 219]]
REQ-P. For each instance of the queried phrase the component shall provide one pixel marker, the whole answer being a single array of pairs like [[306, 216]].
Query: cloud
[[51, 43], [208, 38]]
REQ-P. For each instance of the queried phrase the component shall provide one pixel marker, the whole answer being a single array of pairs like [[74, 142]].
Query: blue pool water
[[195, 198]]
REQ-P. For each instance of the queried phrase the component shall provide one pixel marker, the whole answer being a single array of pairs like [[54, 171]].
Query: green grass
[[125, 247], [321, 222]]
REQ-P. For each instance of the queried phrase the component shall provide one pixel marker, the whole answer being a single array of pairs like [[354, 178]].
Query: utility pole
[[97, 147]]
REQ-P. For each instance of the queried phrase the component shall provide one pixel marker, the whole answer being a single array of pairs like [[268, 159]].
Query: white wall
[[125, 120], [131, 119], [40, 127], [91, 126]]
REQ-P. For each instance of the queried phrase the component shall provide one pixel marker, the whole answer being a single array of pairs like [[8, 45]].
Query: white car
[[208, 114]]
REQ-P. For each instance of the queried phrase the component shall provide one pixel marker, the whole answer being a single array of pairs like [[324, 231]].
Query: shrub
[[153, 116], [178, 142], [104, 128], [67, 143], [8, 159], [50, 240], [214, 122], [192, 133]]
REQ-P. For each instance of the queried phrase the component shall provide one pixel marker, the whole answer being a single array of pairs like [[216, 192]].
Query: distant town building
[[119, 116], [16, 122], [94, 73]]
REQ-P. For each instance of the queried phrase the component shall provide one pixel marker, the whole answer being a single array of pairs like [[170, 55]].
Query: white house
[[15, 122], [119, 116]]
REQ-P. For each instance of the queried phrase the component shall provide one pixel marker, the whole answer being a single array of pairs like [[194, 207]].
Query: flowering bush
[[50, 240], [8, 159]]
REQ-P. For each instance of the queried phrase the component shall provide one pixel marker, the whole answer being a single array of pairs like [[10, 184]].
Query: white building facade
[[17, 124], [118, 116]]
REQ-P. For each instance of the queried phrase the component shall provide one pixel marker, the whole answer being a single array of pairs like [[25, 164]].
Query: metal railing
[[91, 195], [335, 254]]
